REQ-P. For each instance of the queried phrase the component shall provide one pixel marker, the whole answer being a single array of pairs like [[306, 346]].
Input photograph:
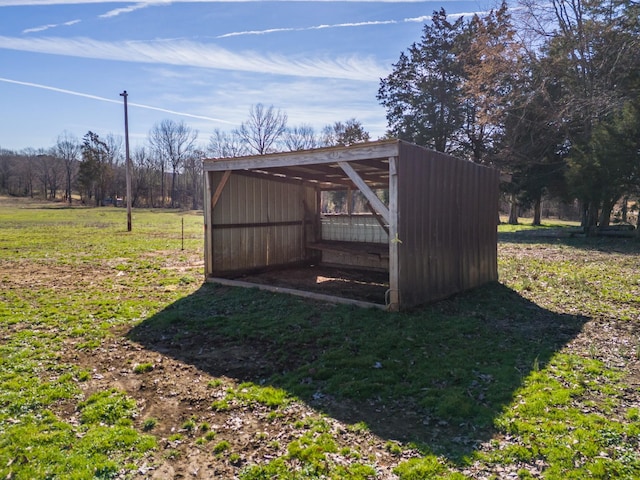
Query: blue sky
[[64, 63]]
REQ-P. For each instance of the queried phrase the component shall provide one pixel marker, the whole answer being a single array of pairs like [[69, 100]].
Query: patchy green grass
[[315, 454], [45, 306], [535, 377], [249, 395], [143, 367]]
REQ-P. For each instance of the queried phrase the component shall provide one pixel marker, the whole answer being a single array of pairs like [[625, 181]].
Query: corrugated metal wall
[[259, 222], [447, 225]]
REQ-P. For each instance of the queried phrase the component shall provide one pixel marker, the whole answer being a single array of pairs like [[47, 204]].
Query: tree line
[[166, 169], [548, 93]]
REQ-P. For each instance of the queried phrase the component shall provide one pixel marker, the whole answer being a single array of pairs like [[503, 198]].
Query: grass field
[[116, 361]]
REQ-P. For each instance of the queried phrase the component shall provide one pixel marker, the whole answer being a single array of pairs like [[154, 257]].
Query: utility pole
[[128, 159]]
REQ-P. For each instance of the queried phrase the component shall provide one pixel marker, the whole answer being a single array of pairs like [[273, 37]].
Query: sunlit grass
[[526, 224]]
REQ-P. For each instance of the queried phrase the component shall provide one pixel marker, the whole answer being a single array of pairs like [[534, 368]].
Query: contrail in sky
[[109, 100], [422, 19]]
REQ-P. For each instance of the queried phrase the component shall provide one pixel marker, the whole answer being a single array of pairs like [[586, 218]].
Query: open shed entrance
[[267, 224]]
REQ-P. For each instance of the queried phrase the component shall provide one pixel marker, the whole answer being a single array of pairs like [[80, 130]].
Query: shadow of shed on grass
[[437, 377]]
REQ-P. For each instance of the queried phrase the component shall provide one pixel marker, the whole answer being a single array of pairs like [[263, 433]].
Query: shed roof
[[320, 166]]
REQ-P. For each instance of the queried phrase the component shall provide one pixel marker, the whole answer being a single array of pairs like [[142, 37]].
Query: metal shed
[[433, 235]]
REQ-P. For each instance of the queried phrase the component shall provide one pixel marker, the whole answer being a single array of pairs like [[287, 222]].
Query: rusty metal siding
[[257, 223], [447, 215]]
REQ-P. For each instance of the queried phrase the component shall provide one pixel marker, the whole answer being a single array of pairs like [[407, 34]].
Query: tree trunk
[[162, 187], [513, 211], [173, 189], [537, 212], [591, 218], [604, 219], [605, 214], [69, 188], [194, 187], [584, 218]]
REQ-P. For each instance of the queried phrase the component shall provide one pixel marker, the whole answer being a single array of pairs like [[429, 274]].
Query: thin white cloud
[[186, 53], [310, 101], [41, 28], [51, 25], [109, 100], [132, 8], [315, 27], [421, 19]]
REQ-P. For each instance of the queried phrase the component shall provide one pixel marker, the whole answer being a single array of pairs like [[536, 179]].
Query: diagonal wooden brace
[[370, 195]]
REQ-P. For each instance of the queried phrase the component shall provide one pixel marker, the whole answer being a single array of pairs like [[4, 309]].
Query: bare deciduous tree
[[42, 172], [263, 129], [115, 159], [68, 150], [142, 177], [226, 145], [302, 137], [173, 142], [56, 174], [25, 169], [6, 167], [193, 174]]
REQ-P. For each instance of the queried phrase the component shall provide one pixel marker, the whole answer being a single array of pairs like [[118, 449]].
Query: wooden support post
[[210, 205], [208, 238], [394, 240]]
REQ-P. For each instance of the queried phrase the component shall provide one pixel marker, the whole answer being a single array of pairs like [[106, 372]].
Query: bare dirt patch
[[174, 392]]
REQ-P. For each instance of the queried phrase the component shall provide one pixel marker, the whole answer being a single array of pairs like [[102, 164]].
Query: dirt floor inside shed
[[363, 285]]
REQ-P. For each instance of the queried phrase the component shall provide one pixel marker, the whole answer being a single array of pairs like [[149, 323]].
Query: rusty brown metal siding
[[447, 211], [258, 223]]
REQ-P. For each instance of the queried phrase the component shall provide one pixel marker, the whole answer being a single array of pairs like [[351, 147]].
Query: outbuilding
[[430, 230]]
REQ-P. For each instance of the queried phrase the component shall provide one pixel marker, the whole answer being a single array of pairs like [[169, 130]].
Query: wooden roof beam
[[359, 152]]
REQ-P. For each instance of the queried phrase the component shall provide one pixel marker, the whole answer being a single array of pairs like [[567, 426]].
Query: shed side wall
[[259, 223], [447, 213]]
